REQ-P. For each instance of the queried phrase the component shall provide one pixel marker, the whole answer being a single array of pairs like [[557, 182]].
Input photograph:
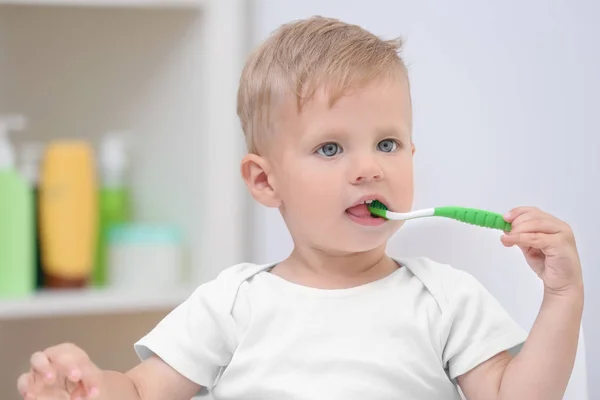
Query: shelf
[[110, 3], [161, 75], [90, 302]]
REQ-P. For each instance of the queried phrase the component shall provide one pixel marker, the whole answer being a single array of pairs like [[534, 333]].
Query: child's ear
[[256, 172]]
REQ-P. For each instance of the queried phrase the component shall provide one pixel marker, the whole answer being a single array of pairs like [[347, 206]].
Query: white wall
[[505, 99]]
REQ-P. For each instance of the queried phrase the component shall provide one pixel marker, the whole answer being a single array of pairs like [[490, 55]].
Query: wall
[[505, 98]]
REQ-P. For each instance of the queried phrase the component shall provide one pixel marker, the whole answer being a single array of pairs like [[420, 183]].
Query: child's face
[[323, 161]]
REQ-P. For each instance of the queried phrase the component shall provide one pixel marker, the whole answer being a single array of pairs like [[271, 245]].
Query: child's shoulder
[[447, 284], [221, 292], [231, 278], [242, 271], [431, 269]]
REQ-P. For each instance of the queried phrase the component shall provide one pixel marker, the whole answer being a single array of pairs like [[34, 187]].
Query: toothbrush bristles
[[378, 204], [378, 209]]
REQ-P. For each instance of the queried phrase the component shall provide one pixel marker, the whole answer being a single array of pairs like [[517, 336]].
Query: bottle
[[31, 155], [114, 198], [16, 219], [153, 251], [68, 214]]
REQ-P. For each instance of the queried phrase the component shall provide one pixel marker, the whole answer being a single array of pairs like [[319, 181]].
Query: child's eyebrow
[[393, 131], [320, 134], [339, 133]]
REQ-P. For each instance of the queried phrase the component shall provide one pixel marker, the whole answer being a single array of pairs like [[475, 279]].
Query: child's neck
[[319, 269]]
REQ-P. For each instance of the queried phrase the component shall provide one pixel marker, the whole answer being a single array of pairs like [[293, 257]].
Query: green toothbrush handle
[[474, 216]]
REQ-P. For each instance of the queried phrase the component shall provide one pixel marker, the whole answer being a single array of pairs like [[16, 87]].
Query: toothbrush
[[473, 216]]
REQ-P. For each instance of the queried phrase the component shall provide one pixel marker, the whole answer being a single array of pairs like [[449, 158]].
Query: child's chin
[[361, 245]]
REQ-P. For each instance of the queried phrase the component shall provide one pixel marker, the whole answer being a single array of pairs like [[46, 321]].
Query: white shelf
[[110, 3], [165, 77], [86, 302]]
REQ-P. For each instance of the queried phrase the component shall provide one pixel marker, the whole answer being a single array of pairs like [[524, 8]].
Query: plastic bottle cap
[[113, 157], [112, 151], [143, 234], [7, 153]]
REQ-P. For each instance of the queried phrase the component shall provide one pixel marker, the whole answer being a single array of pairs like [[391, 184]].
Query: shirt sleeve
[[478, 327], [195, 338]]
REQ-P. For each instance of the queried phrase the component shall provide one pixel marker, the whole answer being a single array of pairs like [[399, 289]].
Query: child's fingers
[[535, 225], [515, 213], [29, 385], [541, 241], [66, 360], [41, 365], [80, 374], [79, 393], [25, 384], [30, 396], [512, 240], [523, 214], [521, 218], [91, 378]]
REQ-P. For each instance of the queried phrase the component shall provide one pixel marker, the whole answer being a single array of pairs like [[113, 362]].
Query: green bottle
[[30, 167], [17, 224], [114, 199]]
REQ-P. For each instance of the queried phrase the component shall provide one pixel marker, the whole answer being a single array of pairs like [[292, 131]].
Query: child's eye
[[329, 149], [387, 145]]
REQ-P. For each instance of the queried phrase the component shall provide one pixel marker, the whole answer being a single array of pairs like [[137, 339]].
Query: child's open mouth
[[361, 215]]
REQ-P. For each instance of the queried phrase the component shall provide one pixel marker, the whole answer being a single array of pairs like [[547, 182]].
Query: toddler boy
[[326, 110]]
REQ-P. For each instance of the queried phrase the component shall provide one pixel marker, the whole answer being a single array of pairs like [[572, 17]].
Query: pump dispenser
[[17, 229], [9, 123], [114, 197]]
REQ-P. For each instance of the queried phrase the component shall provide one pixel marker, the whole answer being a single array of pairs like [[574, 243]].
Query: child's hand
[[63, 372], [549, 248]]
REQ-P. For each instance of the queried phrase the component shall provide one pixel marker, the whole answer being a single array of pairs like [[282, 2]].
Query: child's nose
[[366, 170]]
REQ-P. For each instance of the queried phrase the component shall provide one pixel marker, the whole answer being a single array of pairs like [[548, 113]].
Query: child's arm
[[543, 367], [65, 371]]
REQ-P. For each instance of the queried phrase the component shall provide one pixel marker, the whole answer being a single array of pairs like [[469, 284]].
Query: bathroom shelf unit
[[110, 3], [165, 70], [168, 72], [88, 302]]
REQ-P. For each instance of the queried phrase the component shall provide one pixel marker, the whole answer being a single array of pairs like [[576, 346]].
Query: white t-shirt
[[250, 334]]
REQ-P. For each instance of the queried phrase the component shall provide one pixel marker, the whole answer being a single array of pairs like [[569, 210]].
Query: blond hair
[[301, 56]]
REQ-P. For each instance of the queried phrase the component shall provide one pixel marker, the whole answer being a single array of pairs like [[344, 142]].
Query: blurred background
[[119, 182]]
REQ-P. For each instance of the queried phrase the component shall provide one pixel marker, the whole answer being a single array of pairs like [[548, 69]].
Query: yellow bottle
[[68, 214]]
